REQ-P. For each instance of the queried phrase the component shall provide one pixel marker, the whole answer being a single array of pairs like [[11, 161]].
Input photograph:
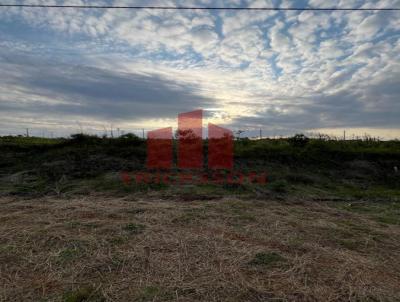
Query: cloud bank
[[285, 72]]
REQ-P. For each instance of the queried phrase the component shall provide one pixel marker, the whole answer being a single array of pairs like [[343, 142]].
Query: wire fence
[[238, 132]]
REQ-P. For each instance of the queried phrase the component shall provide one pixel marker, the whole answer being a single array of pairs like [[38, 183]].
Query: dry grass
[[122, 249]]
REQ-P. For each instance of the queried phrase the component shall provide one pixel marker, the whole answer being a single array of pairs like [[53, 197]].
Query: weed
[[85, 163], [383, 212], [246, 217], [117, 240], [389, 219], [68, 254], [350, 244], [7, 248], [267, 259], [151, 293], [134, 229], [72, 251], [187, 218], [82, 294], [279, 186]]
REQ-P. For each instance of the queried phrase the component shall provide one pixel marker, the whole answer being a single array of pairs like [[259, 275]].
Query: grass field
[[360, 168], [99, 248], [325, 227]]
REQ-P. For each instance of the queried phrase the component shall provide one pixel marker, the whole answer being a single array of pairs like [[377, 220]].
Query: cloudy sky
[[62, 70]]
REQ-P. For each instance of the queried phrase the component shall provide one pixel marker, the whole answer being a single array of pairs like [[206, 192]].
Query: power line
[[198, 8]]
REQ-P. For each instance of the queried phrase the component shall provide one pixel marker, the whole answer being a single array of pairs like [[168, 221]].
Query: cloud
[[80, 91], [294, 71], [376, 102]]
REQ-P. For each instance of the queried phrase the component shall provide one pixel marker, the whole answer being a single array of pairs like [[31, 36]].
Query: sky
[[64, 71]]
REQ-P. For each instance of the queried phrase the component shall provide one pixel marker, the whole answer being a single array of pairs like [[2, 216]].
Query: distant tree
[[187, 134], [131, 136], [299, 140], [81, 138], [238, 133]]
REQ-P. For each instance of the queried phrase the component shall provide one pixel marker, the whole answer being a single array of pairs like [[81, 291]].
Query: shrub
[[84, 139], [279, 186], [299, 140]]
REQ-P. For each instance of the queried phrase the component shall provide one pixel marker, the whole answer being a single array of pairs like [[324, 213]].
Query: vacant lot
[[99, 248]]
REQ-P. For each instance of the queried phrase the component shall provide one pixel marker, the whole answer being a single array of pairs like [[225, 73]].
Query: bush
[[84, 139], [279, 186], [299, 140]]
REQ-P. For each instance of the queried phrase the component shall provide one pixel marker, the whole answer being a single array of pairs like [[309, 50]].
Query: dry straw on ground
[[119, 249]]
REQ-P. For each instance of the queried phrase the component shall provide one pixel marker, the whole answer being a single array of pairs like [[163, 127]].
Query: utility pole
[[27, 132], [143, 133], [344, 135]]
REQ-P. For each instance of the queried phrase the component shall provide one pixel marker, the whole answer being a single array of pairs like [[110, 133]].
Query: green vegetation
[[133, 228], [329, 209], [82, 294], [267, 259], [72, 251], [154, 293], [297, 166], [386, 213], [68, 254]]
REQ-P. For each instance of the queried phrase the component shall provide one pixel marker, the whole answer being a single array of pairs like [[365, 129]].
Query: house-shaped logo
[[190, 145]]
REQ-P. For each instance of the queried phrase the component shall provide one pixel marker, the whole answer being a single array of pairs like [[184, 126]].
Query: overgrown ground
[[325, 227], [316, 168], [99, 248]]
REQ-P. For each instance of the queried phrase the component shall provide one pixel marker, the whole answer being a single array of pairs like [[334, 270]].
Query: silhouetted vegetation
[[31, 164]]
